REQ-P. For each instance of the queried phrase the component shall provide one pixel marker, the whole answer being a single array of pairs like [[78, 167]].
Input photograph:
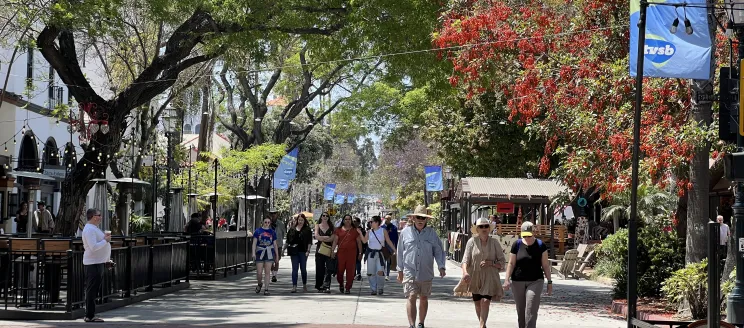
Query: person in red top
[[348, 239]]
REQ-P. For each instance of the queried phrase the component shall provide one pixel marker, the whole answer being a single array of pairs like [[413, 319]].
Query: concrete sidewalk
[[232, 302]]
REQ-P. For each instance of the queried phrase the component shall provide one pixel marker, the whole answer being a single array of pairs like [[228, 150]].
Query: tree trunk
[[682, 217], [698, 196], [74, 194], [204, 127]]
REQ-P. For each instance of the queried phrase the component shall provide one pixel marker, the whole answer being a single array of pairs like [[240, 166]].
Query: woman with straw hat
[[482, 261]]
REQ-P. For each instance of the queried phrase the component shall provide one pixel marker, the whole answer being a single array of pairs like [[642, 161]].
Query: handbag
[[385, 250], [324, 249]]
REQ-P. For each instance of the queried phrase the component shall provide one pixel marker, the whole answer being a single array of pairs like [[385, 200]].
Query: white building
[[36, 149]]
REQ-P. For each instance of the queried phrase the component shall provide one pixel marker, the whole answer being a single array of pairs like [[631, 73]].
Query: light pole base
[[735, 307]]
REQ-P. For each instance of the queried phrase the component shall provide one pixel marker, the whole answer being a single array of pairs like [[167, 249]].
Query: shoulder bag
[[385, 250]]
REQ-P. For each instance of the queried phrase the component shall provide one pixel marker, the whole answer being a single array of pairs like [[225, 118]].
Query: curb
[[622, 309]]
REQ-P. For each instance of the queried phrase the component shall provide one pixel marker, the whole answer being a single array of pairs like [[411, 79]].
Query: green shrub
[[726, 289], [690, 284], [660, 253]]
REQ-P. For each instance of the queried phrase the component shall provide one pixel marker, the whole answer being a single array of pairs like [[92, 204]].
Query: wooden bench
[[542, 231], [56, 245]]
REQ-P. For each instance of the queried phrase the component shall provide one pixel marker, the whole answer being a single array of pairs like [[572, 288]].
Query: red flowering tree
[[562, 68]]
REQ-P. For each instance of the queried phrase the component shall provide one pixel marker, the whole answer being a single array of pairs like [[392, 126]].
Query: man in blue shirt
[[418, 248], [393, 234]]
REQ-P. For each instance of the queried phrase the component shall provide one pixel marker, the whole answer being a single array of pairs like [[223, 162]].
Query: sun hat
[[421, 211], [527, 229], [481, 221]]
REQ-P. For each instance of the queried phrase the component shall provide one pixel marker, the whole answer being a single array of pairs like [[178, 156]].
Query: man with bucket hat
[[418, 248]]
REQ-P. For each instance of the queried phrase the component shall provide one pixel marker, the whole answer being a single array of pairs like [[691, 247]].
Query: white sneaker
[[387, 278]]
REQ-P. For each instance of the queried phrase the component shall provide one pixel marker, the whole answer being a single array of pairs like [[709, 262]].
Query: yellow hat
[[527, 229]]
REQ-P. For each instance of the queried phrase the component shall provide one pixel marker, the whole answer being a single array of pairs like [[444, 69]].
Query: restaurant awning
[[32, 175], [516, 190]]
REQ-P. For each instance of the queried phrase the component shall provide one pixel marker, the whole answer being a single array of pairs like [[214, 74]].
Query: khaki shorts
[[417, 288]]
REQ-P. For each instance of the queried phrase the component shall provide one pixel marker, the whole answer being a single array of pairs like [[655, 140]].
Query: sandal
[[95, 319], [266, 292], [258, 288]]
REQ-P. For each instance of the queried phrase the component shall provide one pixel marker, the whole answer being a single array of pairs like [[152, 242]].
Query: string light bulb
[[6, 147], [688, 26], [675, 24]]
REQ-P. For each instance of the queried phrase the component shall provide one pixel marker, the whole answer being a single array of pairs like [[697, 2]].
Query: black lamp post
[[170, 121], [735, 306]]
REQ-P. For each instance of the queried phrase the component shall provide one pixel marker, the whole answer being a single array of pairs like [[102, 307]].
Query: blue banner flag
[[286, 171], [667, 54], [350, 198], [433, 178], [329, 191], [339, 199]]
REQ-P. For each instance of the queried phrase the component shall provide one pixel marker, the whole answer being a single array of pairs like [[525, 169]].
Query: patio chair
[[566, 266], [583, 264]]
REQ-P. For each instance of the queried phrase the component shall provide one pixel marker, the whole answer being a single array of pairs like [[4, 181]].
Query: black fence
[[224, 252], [55, 280]]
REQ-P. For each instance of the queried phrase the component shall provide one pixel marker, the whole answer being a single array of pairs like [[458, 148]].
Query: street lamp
[[170, 123], [735, 302]]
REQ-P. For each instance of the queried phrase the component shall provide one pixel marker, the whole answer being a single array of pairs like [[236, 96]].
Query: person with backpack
[[528, 264]]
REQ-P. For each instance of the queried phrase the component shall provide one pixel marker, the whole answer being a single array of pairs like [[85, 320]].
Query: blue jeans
[[299, 261], [375, 264]]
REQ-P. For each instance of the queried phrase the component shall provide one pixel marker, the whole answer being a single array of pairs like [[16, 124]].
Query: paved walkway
[[233, 303]]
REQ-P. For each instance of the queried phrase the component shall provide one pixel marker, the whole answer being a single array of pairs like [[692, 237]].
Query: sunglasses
[[485, 226], [324, 216]]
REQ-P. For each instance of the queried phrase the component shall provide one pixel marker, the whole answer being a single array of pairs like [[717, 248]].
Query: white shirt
[[373, 242], [724, 234], [97, 249]]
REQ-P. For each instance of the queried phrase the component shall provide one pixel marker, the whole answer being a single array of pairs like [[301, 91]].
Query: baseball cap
[[527, 229]]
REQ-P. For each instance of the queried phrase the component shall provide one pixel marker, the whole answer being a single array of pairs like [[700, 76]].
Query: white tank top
[[373, 242]]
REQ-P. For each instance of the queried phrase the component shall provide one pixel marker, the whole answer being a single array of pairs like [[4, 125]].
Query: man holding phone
[[97, 253]]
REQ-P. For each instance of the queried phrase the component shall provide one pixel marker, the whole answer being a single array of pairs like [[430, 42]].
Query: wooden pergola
[[475, 197]]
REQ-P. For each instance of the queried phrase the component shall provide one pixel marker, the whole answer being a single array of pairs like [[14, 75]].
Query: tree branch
[[64, 60]]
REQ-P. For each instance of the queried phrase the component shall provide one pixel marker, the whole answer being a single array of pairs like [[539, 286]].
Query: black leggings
[[322, 279], [478, 297]]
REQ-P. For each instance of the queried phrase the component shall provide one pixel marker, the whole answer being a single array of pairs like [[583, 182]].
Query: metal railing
[[224, 252], [49, 279]]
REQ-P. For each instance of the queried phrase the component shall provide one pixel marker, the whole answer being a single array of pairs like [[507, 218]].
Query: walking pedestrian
[[378, 240], [22, 219], [97, 252], [349, 242], [324, 250], [392, 232], [725, 233], [44, 219], [358, 223], [418, 248], [528, 264], [266, 254], [482, 261], [299, 242], [281, 231]]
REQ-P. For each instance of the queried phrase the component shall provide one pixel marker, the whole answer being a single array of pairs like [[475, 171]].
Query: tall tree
[[193, 32]]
